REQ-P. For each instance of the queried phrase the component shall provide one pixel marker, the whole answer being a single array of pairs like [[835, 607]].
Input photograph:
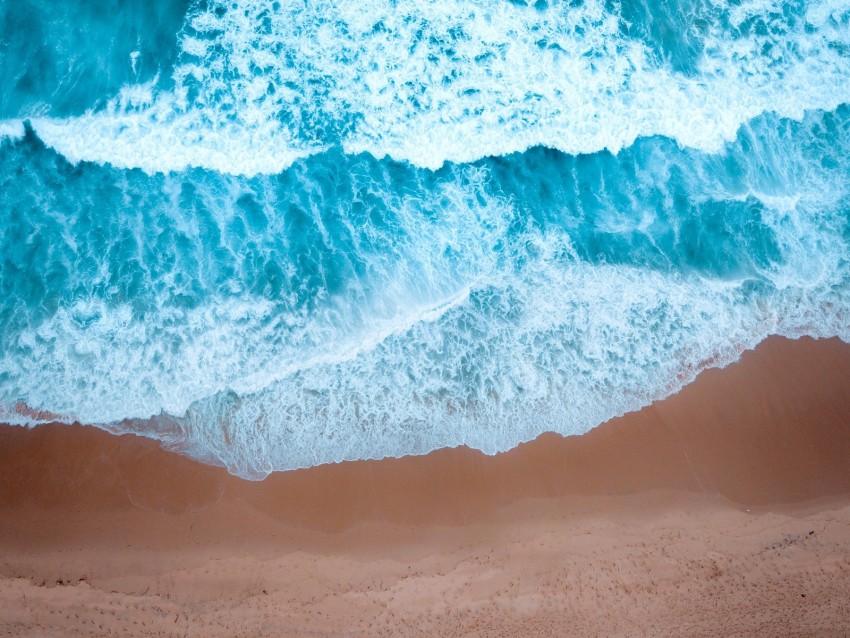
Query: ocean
[[279, 233]]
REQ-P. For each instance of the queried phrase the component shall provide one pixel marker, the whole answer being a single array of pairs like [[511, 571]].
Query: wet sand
[[722, 510]]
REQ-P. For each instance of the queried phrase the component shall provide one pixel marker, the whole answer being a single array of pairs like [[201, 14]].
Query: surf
[[254, 87], [351, 307]]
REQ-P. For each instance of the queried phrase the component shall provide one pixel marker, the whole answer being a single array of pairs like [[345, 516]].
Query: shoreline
[[683, 499]]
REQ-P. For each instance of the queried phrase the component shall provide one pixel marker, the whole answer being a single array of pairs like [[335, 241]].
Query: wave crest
[[258, 87]]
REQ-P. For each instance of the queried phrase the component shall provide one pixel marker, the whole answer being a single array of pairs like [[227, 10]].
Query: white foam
[[454, 80], [174, 357], [140, 140], [11, 130], [585, 344]]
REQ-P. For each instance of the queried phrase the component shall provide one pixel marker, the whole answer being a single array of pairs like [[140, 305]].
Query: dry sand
[[721, 511]]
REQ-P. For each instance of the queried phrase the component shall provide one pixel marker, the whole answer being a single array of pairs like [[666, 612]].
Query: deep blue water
[[276, 234]]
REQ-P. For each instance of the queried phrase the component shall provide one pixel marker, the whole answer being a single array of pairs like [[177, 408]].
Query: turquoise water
[[277, 234]]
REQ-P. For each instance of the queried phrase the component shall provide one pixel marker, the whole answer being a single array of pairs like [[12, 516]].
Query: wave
[[255, 87], [351, 307]]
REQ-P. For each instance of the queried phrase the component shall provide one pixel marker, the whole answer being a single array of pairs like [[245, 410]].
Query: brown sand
[[723, 510]]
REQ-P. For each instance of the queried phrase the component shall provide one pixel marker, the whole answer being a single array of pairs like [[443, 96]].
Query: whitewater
[[274, 234]]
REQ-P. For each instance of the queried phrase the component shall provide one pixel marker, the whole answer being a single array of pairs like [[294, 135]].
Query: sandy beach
[[723, 510]]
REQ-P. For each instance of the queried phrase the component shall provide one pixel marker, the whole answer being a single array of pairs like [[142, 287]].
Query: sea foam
[[257, 87], [11, 130]]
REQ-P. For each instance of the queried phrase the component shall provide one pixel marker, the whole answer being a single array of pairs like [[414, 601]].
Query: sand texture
[[721, 511]]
